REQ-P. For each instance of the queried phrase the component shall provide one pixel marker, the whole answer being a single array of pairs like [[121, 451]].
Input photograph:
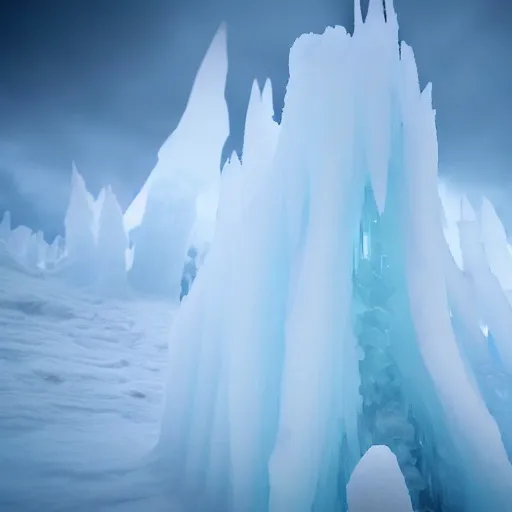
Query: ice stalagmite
[[112, 246], [377, 484], [319, 324], [79, 234], [183, 187], [204, 125]]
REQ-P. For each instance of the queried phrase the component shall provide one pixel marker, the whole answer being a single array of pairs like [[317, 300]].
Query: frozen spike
[[358, 17], [204, 125], [375, 11], [378, 484], [251, 118], [409, 70], [391, 16], [112, 246], [211, 75], [267, 98]]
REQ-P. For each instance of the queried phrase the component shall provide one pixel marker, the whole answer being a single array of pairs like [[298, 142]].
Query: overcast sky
[[104, 83]]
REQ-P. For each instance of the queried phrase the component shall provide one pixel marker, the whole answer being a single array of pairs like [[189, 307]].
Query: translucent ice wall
[[162, 240], [320, 323]]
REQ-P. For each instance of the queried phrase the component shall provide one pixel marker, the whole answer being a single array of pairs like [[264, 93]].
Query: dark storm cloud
[[104, 83]]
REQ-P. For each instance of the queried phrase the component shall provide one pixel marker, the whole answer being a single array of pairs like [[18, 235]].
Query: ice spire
[[267, 99], [375, 11], [251, 123], [273, 412], [204, 124], [79, 225], [375, 85], [391, 16], [378, 484], [358, 17], [112, 246]]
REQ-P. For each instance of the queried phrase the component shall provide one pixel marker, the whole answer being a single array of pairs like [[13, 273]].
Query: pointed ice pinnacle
[[375, 85], [112, 246], [260, 134], [377, 484], [79, 225], [204, 125], [375, 11], [358, 17]]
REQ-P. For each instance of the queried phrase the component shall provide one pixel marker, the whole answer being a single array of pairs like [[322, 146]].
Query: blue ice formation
[[377, 484], [112, 245], [176, 207], [79, 234], [174, 213], [324, 319]]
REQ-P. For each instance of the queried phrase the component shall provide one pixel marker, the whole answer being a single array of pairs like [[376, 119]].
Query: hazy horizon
[[105, 85]]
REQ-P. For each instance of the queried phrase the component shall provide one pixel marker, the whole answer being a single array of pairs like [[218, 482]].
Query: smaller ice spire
[[391, 16], [358, 17], [375, 11], [267, 98], [378, 484]]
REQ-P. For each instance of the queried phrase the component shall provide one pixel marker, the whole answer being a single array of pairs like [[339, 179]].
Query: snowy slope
[[80, 398]]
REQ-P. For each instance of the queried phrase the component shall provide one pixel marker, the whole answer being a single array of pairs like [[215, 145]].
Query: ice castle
[[330, 315]]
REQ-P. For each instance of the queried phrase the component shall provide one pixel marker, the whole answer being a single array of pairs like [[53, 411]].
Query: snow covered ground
[[81, 393]]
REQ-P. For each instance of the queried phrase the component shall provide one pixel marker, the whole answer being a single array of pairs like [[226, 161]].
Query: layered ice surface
[[321, 322]]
